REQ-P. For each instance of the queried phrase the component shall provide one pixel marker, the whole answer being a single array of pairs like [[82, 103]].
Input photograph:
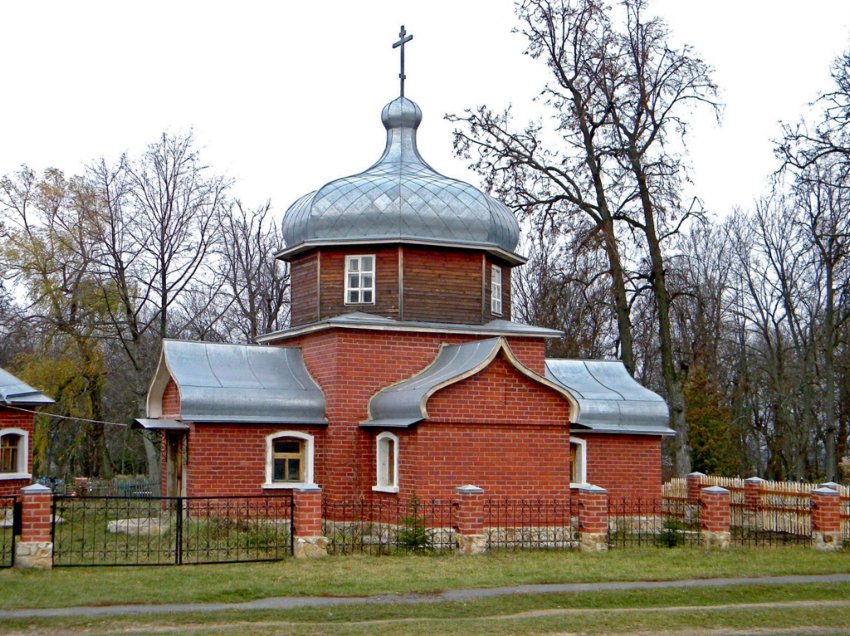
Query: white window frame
[[309, 448], [496, 290], [382, 463], [23, 454], [581, 460], [360, 289]]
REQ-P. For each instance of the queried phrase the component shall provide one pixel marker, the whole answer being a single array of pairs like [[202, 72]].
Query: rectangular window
[[496, 290], [387, 477], [359, 280], [9, 445], [288, 460]]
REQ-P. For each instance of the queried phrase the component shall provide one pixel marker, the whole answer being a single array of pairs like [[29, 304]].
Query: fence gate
[[10, 522], [97, 531]]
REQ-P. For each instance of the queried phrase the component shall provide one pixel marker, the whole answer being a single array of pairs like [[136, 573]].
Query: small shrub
[[671, 535], [414, 535]]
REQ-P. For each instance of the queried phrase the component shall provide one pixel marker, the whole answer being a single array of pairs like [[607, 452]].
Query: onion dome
[[400, 199]]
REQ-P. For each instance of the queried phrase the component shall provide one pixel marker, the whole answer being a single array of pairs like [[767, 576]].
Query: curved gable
[[405, 403]]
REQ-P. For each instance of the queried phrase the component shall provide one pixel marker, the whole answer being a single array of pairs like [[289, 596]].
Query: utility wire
[[67, 417]]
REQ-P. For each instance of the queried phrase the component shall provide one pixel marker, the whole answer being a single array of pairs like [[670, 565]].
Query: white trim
[[23, 454], [309, 454], [360, 289], [381, 466], [581, 457], [495, 290]]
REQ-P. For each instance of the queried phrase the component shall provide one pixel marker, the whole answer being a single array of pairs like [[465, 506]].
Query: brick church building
[[402, 372]]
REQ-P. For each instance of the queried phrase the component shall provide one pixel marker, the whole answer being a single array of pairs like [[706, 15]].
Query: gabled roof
[[611, 400], [363, 320], [16, 392], [404, 404], [237, 383]]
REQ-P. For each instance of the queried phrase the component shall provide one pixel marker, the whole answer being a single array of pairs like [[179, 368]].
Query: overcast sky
[[286, 96]]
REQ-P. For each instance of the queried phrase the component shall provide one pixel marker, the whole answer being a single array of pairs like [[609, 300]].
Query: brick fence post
[[715, 517], [469, 520], [307, 539], [752, 493], [593, 519], [34, 548], [694, 481], [826, 519]]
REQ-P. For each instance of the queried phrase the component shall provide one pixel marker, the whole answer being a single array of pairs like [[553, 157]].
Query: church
[[402, 373]]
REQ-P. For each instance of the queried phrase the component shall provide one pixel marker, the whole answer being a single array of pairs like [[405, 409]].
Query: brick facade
[[11, 418], [625, 465]]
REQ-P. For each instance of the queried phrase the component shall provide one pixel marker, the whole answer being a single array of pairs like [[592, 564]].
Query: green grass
[[589, 612], [363, 575]]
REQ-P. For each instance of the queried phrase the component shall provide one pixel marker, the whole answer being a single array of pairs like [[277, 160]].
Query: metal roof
[[159, 425], [14, 391], [237, 383], [610, 400], [362, 320], [400, 198], [404, 404]]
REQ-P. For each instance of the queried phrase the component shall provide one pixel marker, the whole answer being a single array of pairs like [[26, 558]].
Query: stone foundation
[[826, 541], [468, 544], [594, 542], [720, 540], [34, 554], [310, 547]]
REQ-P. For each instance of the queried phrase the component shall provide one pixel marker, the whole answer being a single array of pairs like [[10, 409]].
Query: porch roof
[[16, 392], [610, 400]]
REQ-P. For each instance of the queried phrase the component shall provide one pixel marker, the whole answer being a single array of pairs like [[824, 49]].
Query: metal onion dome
[[400, 199]]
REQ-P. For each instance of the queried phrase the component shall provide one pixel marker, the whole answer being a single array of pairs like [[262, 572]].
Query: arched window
[[386, 453], [578, 461], [289, 460], [14, 453]]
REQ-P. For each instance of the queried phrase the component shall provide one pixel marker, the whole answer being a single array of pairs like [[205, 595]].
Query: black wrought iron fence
[[788, 521], [665, 522], [7, 530], [385, 527], [99, 531], [531, 523]]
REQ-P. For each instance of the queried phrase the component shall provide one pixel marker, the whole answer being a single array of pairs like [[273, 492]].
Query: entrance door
[[174, 444]]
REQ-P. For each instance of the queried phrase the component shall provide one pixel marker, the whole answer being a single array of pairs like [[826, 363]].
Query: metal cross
[[402, 39]]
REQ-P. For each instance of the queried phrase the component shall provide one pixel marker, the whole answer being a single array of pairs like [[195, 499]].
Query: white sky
[[285, 96]]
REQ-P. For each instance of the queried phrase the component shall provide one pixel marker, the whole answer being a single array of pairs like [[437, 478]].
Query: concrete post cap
[[715, 490], [824, 491], [309, 488], [830, 484], [36, 489], [753, 480], [695, 475], [469, 489]]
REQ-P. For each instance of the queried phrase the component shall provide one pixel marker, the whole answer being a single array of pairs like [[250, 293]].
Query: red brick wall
[[171, 400], [10, 418], [626, 465], [351, 366], [230, 459]]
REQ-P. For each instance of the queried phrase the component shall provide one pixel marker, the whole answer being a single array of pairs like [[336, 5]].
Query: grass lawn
[[809, 609], [362, 575]]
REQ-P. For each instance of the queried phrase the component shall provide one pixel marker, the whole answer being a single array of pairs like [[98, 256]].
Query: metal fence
[[96, 487], [531, 523], [380, 526], [7, 530], [97, 531], [668, 522]]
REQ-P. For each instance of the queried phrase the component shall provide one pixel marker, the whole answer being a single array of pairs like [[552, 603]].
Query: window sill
[[579, 484], [388, 489], [9, 476], [287, 485]]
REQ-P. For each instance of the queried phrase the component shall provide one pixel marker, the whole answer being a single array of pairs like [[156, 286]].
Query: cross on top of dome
[[403, 38]]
